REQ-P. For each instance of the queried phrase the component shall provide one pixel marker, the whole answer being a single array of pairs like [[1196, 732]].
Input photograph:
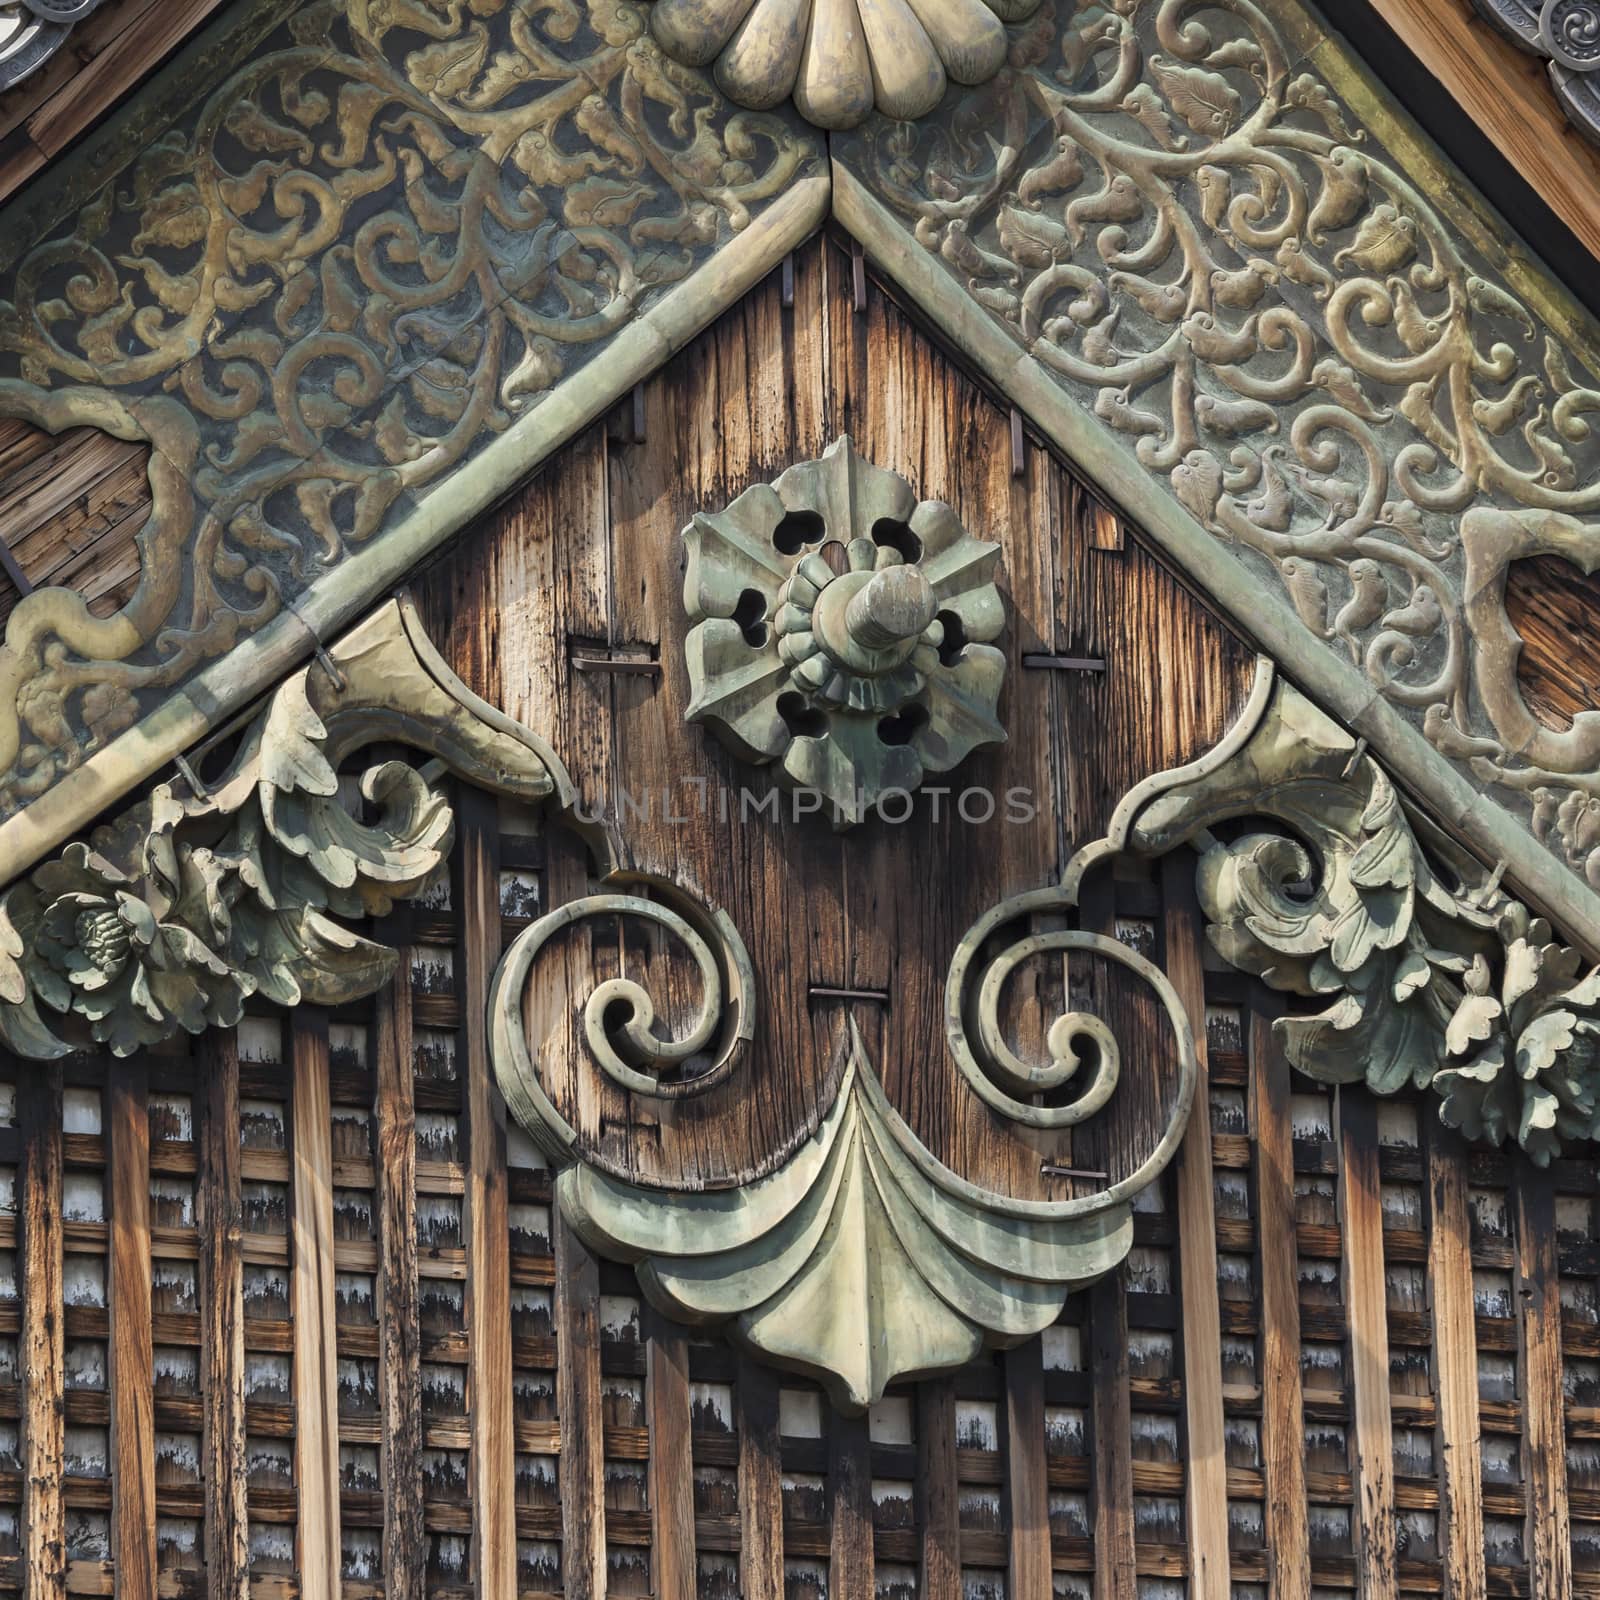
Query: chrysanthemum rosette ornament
[[842, 632], [839, 59]]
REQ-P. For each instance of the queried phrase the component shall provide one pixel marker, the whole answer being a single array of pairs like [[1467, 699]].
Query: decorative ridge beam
[[1218, 271]]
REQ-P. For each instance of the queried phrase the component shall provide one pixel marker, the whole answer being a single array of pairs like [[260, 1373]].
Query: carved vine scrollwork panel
[[367, 253], [1175, 214]]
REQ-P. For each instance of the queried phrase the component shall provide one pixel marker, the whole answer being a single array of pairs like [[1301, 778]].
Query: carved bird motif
[[1240, 290], [1418, 619], [1369, 594], [958, 249], [1307, 592]]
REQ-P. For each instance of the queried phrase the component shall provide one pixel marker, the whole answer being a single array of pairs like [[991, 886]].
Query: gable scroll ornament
[[855, 1256]]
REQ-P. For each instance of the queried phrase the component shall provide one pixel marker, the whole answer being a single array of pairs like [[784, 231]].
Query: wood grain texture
[[1110, 1426], [1028, 1497], [1544, 1448], [938, 1491], [476, 877], [1282, 1410], [583, 1468], [671, 1480], [760, 1483], [1366, 1305], [41, 1348], [133, 1451], [102, 61], [405, 1546], [850, 1551], [587, 560], [1455, 1365], [221, 1275], [1507, 93], [311, 1292], [1206, 1467]]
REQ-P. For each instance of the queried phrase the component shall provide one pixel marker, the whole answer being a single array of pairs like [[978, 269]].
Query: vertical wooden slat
[[1027, 1488], [133, 1445], [760, 1484], [312, 1306], [1205, 1466], [938, 1492], [399, 1340], [1111, 1427], [1455, 1365], [42, 1351], [227, 1524], [1549, 1531], [1366, 1306], [850, 1553], [1282, 1414], [671, 1480], [583, 1478], [493, 1452]]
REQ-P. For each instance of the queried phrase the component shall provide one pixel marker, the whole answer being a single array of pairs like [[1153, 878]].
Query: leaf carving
[[1206, 101]]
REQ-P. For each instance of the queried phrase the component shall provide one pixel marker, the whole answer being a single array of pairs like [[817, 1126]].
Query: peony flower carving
[[842, 631], [839, 59]]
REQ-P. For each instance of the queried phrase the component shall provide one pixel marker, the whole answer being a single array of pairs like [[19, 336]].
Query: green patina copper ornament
[[842, 631]]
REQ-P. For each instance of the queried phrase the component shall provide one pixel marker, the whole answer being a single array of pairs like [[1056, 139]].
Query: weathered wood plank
[[217, 1211], [1282, 1419], [850, 1552], [760, 1484], [1548, 1540], [1027, 1481], [476, 885], [133, 1450], [671, 1478], [1205, 1471], [1110, 1426], [583, 1476], [41, 1348], [938, 1494], [1366, 1307], [1455, 1364], [399, 1340], [311, 1292]]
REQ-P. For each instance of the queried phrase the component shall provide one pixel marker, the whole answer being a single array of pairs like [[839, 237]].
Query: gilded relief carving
[[367, 253], [1195, 238], [855, 678]]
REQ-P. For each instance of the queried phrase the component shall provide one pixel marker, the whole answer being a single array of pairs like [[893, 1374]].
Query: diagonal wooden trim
[[1455, 1365], [217, 1208], [476, 886], [671, 1480], [13, 569], [1282, 1402], [1548, 1540], [133, 1448], [1366, 1306], [938, 1493], [399, 1338], [312, 1306], [41, 1349], [1205, 1466]]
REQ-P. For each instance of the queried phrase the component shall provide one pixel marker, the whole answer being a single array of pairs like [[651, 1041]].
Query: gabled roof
[[354, 271]]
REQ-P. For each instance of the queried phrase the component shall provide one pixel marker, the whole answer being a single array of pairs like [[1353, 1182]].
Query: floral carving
[[840, 59], [364, 255], [1189, 233], [1417, 968], [172, 917], [855, 678]]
